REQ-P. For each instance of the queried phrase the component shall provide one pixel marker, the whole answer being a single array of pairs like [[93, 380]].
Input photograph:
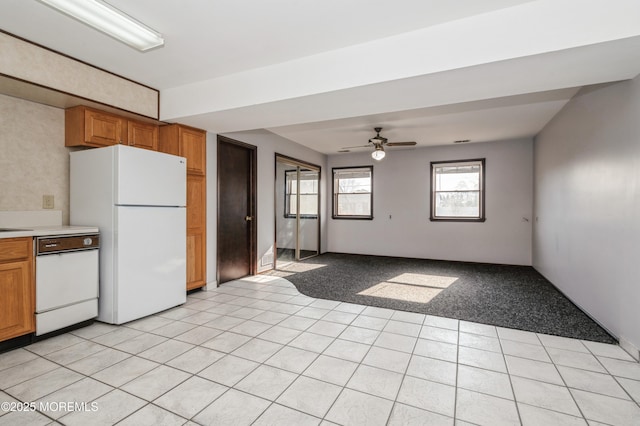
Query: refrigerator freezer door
[[149, 178], [150, 254]]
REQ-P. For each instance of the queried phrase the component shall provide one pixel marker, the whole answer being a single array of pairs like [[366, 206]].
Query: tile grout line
[[196, 375], [615, 378], [380, 331], [263, 363], [404, 374], [254, 361], [455, 399], [606, 373], [288, 315], [301, 373], [355, 369], [555, 366], [513, 391]]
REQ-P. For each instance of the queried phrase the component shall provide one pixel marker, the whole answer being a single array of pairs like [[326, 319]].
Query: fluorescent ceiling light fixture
[[109, 20]]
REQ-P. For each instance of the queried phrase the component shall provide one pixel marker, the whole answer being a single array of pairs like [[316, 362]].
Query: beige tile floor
[[255, 351]]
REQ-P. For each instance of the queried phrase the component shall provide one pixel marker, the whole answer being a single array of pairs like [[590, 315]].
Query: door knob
[[248, 218]]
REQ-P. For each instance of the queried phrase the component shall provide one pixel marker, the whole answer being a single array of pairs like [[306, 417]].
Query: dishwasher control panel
[[66, 243]]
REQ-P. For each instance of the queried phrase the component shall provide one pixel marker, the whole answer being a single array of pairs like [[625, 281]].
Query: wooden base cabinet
[[190, 143], [196, 259], [17, 289]]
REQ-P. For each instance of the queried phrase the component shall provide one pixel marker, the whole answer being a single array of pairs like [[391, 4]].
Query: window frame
[[432, 192], [334, 195], [287, 196]]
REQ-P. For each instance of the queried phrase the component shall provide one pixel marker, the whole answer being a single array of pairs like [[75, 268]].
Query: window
[[457, 190], [308, 194], [353, 193]]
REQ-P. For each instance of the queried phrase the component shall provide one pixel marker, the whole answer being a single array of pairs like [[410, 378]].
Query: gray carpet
[[502, 295]]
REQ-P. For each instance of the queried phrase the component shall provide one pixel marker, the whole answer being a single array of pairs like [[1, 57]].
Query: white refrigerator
[[137, 199]]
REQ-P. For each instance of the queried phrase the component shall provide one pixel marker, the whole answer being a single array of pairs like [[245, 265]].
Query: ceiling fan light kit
[[378, 154], [378, 143]]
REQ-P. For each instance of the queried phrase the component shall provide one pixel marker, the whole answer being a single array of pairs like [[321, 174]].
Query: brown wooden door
[[236, 209]]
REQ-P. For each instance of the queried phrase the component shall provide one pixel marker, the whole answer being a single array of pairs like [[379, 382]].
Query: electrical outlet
[[47, 201]]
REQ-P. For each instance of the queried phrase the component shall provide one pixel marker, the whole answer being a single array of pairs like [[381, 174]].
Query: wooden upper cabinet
[[85, 126], [186, 142], [142, 135], [17, 304], [88, 127], [193, 143]]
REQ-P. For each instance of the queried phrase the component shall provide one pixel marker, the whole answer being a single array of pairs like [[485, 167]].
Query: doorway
[[297, 210], [236, 240]]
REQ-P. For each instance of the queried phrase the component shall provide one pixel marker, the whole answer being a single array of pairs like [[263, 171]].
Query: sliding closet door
[[297, 210], [285, 202], [308, 219]]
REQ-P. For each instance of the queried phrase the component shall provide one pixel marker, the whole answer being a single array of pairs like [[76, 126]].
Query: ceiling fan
[[378, 143]]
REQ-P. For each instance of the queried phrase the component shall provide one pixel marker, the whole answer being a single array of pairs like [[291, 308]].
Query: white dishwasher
[[67, 275]]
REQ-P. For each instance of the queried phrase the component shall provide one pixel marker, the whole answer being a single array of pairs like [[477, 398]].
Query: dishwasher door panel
[[56, 319], [66, 278]]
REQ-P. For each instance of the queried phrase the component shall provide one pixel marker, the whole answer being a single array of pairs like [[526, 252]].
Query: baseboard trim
[[210, 284], [630, 348], [615, 336]]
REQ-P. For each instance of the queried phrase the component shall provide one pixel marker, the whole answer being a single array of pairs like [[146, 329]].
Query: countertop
[[40, 231]]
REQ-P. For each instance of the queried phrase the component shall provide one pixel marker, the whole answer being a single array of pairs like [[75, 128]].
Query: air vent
[[345, 150], [462, 141]]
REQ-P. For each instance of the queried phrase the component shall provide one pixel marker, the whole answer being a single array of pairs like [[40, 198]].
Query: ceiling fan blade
[[359, 146], [401, 144]]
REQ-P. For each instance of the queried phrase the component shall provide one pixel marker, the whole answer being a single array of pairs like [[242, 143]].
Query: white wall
[[212, 203], [401, 190], [33, 158], [268, 145], [587, 204]]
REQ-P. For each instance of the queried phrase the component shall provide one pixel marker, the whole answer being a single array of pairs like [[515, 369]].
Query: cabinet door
[[102, 129], [14, 249], [191, 144], [196, 266], [193, 147], [17, 301], [196, 231], [196, 201], [143, 135]]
